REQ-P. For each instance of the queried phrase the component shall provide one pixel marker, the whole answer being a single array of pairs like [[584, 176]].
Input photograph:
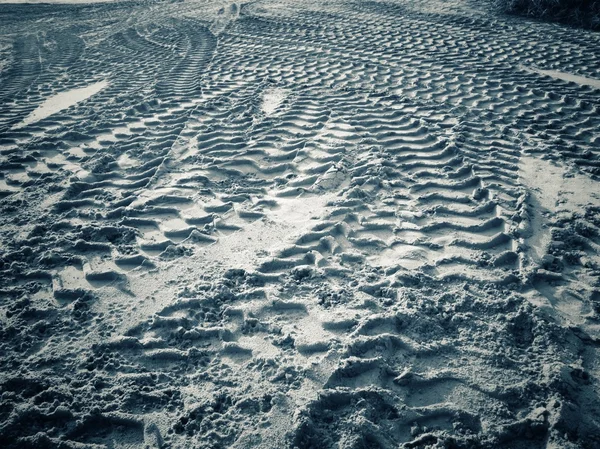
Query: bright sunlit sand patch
[[565, 76], [272, 99], [62, 100], [553, 189]]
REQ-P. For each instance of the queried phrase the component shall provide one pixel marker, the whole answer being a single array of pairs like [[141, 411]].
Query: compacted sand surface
[[297, 224]]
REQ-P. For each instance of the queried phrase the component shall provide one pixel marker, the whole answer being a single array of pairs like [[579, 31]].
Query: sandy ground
[[304, 224]]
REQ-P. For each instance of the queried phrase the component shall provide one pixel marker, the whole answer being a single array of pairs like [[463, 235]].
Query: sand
[[299, 224], [61, 101]]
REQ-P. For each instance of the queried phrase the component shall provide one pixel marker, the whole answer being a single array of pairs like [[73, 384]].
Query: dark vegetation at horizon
[[581, 13]]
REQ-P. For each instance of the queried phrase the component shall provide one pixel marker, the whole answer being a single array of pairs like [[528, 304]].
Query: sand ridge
[[297, 224]]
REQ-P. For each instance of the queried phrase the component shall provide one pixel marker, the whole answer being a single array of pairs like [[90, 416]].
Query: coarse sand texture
[[333, 224]]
